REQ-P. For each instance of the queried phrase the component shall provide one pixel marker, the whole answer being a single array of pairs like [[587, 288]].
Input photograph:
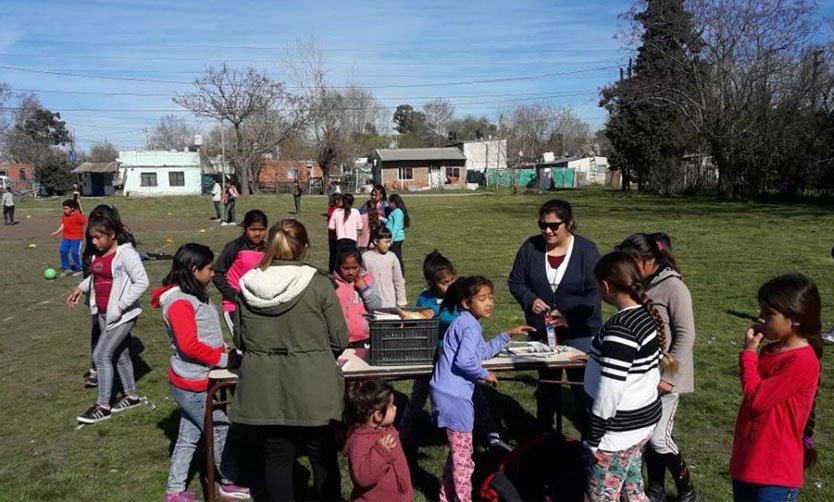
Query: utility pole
[[222, 156]]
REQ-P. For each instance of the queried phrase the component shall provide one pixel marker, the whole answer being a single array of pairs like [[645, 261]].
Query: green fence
[[503, 178]]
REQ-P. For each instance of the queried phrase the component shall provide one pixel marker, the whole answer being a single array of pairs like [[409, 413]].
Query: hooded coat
[[290, 329]]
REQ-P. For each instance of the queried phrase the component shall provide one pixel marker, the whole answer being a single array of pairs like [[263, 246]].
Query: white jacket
[[130, 281]]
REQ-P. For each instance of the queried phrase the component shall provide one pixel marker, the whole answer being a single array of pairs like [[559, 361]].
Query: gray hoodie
[[674, 303], [129, 283]]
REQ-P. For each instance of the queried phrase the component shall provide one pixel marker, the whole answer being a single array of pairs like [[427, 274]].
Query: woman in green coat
[[290, 330]]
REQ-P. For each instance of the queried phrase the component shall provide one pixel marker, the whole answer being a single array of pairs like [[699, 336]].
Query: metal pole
[[222, 156]]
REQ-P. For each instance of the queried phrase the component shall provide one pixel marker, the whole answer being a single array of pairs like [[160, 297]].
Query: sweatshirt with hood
[[290, 329], [377, 472], [228, 286], [357, 304], [673, 301]]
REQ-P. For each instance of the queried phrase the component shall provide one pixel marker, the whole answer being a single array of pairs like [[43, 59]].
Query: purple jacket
[[457, 370]]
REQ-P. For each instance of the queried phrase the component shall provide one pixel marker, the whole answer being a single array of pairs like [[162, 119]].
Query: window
[[176, 179], [292, 174], [22, 175], [147, 180], [453, 173], [405, 174]]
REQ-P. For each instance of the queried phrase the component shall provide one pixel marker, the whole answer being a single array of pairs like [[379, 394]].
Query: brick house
[[407, 168], [21, 175], [281, 172]]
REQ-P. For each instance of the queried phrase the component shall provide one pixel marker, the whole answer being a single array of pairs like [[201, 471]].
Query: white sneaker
[[828, 336]]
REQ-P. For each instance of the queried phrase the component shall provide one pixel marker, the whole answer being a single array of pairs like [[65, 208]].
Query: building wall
[[20, 174], [489, 153], [390, 178], [592, 170], [278, 171], [134, 163]]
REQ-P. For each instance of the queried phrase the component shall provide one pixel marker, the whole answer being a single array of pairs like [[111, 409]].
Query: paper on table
[[385, 316]]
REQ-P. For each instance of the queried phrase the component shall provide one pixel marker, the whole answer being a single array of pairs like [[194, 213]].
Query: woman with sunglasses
[[553, 281]]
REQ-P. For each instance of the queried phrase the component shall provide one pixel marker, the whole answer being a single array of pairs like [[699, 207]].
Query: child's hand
[[520, 330], [360, 284], [74, 298], [388, 442], [491, 379], [752, 339]]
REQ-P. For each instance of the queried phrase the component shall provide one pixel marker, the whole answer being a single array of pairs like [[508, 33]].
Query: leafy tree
[[412, 123], [471, 128], [54, 172]]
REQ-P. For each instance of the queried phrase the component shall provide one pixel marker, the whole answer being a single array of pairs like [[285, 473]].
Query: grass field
[[726, 251]]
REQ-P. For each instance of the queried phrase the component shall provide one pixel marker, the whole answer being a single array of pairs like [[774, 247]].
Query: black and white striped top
[[621, 377]]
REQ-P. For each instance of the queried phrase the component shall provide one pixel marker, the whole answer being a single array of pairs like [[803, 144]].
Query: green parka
[[290, 329]]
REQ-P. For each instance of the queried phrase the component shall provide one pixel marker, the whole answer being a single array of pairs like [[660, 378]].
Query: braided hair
[[619, 270]]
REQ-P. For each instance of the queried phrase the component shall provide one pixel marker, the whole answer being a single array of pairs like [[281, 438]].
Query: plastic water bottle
[[551, 331]]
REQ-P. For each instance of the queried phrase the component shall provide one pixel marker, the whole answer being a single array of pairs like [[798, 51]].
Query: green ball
[[50, 273]]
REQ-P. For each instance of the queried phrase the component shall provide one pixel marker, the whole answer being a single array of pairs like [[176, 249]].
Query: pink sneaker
[[181, 497], [234, 492]]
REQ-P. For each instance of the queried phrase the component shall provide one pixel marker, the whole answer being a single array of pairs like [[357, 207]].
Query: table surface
[[357, 366]]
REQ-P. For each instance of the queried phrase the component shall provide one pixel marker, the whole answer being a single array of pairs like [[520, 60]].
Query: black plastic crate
[[403, 341]]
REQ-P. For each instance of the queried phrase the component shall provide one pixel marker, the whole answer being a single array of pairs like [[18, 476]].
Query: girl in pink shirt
[[346, 221], [357, 294]]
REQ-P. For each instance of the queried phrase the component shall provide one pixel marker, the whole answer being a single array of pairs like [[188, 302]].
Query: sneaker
[[126, 403], [77, 273], [66, 273], [91, 380], [181, 497], [231, 491], [497, 446], [828, 336], [94, 415]]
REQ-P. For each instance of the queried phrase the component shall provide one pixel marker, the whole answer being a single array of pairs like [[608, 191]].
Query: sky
[[111, 67]]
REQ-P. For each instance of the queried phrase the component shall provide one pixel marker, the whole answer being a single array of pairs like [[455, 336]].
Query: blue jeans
[[192, 420], [749, 492], [70, 248]]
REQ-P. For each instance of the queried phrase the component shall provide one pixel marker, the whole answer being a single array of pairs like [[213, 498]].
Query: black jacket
[[226, 259], [577, 296]]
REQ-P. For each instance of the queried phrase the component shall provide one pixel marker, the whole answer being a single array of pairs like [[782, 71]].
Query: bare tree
[[103, 152], [439, 113], [240, 97], [172, 133]]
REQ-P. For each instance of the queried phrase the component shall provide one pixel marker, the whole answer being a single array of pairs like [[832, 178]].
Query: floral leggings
[[611, 473], [456, 484]]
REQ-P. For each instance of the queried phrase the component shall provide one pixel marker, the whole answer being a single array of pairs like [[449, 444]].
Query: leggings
[[113, 347], [282, 444], [397, 249], [456, 484], [616, 475]]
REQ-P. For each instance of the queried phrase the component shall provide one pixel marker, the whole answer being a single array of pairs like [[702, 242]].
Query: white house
[[590, 170], [160, 172], [484, 154]]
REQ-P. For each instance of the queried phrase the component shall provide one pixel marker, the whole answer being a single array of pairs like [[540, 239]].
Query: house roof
[[400, 154], [97, 167]]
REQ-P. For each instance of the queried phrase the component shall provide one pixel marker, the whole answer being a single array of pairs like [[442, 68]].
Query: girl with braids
[[773, 439], [665, 287], [621, 380]]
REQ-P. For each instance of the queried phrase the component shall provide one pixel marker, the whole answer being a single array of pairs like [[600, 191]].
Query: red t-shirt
[[102, 271], [779, 390], [73, 226]]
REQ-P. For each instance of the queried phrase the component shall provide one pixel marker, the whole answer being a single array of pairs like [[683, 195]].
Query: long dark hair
[[396, 199], [464, 289], [657, 247], [619, 270], [373, 216], [255, 216], [346, 252], [347, 204], [435, 267], [383, 195], [109, 222], [797, 298], [110, 212], [364, 398], [189, 257]]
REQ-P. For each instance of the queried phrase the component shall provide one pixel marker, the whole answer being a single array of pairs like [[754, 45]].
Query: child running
[[621, 380], [439, 273], [385, 269], [458, 369], [665, 287], [193, 326], [116, 283], [773, 440], [357, 293], [238, 257], [378, 467], [397, 221], [72, 233]]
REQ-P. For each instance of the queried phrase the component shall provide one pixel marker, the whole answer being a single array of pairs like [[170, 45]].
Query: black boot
[[680, 473], [656, 474]]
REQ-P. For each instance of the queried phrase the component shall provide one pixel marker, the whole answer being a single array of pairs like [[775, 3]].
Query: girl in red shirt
[[773, 440]]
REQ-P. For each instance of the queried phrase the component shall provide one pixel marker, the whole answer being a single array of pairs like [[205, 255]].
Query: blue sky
[[405, 52]]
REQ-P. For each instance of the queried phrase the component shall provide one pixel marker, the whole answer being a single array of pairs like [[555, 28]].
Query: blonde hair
[[287, 241]]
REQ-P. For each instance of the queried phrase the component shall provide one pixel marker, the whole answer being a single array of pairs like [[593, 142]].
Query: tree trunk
[[242, 166]]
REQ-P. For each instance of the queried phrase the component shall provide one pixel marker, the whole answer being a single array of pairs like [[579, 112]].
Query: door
[[437, 178], [97, 184]]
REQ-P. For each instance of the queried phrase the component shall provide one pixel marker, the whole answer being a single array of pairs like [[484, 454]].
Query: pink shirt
[[244, 262], [346, 228]]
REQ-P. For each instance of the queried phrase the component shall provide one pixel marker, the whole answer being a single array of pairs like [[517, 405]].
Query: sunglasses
[[554, 227]]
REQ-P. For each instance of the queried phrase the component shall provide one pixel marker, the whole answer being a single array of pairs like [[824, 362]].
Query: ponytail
[[656, 246], [809, 446]]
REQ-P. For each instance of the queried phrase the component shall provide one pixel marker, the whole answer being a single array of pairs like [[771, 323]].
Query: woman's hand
[[520, 330], [557, 319], [74, 298], [539, 306], [752, 339]]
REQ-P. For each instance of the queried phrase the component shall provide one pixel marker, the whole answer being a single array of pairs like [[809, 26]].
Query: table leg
[[209, 431]]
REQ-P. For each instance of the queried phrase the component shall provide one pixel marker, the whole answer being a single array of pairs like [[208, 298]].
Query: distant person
[[217, 200], [397, 221], [76, 195], [72, 233], [334, 203], [774, 436], [8, 207], [376, 460], [385, 269], [230, 199], [297, 192]]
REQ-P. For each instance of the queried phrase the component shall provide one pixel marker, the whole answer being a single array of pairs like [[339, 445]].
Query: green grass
[[726, 250]]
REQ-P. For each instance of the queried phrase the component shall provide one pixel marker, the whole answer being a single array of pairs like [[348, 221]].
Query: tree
[[103, 152], [171, 133], [246, 98], [439, 113], [54, 172], [533, 129], [413, 123], [471, 128]]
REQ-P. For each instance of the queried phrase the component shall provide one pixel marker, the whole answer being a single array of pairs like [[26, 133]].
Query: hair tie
[[809, 443]]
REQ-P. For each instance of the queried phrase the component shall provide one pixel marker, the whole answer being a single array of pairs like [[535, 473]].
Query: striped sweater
[[621, 378]]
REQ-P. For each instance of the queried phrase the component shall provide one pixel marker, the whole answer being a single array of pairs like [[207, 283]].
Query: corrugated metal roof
[[400, 154], [97, 167]]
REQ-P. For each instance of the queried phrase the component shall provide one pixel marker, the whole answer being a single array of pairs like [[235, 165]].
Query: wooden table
[[358, 368]]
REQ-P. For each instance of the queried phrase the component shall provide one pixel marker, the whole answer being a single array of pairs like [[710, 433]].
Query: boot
[[656, 492], [680, 473], [655, 474]]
